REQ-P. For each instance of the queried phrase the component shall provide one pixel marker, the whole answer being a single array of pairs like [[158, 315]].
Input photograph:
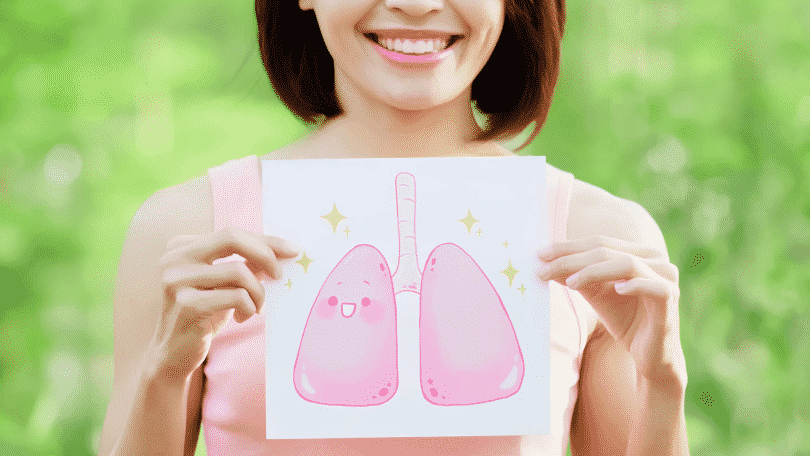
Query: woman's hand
[[200, 296], [642, 316]]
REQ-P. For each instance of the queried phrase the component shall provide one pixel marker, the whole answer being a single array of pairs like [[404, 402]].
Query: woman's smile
[[408, 52], [413, 46]]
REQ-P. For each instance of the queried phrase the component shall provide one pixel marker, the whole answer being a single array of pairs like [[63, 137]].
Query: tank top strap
[[559, 205], [237, 194], [559, 198]]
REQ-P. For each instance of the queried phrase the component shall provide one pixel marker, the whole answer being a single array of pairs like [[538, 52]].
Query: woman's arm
[[156, 420], [618, 412], [659, 424], [144, 408]]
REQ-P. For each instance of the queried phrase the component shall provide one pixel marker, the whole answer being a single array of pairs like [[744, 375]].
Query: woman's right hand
[[198, 296]]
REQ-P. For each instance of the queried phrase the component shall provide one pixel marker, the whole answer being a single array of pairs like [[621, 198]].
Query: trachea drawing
[[468, 349]]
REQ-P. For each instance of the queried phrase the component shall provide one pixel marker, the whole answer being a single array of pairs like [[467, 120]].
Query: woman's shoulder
[[192, 201], [187, 208], [593, 211]]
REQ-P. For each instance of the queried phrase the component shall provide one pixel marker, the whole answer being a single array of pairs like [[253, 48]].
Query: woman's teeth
[[414, 47]]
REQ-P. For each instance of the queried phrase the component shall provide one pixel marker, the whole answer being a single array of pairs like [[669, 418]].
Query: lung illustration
[[468, 350], [348, 351]]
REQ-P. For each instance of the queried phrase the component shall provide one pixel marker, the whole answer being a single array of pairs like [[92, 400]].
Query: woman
[[618, 372]]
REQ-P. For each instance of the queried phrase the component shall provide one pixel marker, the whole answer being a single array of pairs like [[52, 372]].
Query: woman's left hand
[[643, 318]]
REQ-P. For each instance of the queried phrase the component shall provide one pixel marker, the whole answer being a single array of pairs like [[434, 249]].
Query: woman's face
[[382, 82]]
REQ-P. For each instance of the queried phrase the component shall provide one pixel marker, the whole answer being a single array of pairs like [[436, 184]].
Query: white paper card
[[415, 309]]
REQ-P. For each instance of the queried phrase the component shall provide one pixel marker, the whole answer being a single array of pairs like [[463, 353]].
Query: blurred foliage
[[699, 111]]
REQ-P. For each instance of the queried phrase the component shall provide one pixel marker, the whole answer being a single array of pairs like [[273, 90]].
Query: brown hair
[[506, 90]]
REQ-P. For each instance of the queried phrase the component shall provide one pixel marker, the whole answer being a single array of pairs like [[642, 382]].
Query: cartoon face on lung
[[348, 351]]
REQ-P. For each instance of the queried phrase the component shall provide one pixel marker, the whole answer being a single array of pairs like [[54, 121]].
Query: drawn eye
[[365, 302], [333, 301]]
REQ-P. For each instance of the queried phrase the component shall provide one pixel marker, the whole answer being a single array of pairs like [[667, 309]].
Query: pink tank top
[[233, 403]]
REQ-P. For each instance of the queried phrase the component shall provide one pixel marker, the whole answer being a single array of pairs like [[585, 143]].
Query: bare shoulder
[[186, 207], [189, 207], [595, 211], [181, 209]]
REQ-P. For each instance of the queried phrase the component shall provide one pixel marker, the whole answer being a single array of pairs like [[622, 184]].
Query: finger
[[224, 275], [652, 287], [259, 273], [282, 246], [663, 293], [250, 246], [563, 248], [660, 292], [620, 269], [181, 240], [200, 304], [562, 268]]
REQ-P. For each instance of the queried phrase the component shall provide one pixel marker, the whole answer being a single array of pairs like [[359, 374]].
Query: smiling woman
[[377, 79]]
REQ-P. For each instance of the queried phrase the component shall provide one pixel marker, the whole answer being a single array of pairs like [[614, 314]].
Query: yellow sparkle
[[510, 272], [522, 289], [505, 244], [479, 232], [289, 284], [468, 221], [304, 261], [347, 231], [334, 218]]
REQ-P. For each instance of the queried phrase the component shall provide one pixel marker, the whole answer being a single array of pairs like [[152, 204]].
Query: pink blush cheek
[[372, 314], [325, 311]]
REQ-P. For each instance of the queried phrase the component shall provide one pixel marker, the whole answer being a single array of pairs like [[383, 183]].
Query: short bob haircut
[[512, 90]]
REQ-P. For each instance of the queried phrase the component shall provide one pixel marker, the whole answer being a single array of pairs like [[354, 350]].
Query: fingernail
[[263, 277], [292, 248], [621, 287]]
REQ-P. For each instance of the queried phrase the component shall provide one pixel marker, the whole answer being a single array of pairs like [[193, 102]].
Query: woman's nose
[[415, 7]]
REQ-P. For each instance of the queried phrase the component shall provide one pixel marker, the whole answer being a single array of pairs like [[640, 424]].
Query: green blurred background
[[699, 110]]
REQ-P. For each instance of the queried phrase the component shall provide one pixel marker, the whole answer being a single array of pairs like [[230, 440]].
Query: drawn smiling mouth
[[347, 308]]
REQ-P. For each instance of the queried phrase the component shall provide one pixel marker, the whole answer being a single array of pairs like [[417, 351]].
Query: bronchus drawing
[[468, 349]]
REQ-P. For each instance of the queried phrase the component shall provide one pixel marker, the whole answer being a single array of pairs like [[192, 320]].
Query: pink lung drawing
[[468, 349], [348, 352]]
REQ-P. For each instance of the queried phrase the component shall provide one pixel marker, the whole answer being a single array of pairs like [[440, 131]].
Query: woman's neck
[[343, 137]]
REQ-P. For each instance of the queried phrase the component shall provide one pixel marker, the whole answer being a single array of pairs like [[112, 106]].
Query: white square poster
[[415, 309]]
